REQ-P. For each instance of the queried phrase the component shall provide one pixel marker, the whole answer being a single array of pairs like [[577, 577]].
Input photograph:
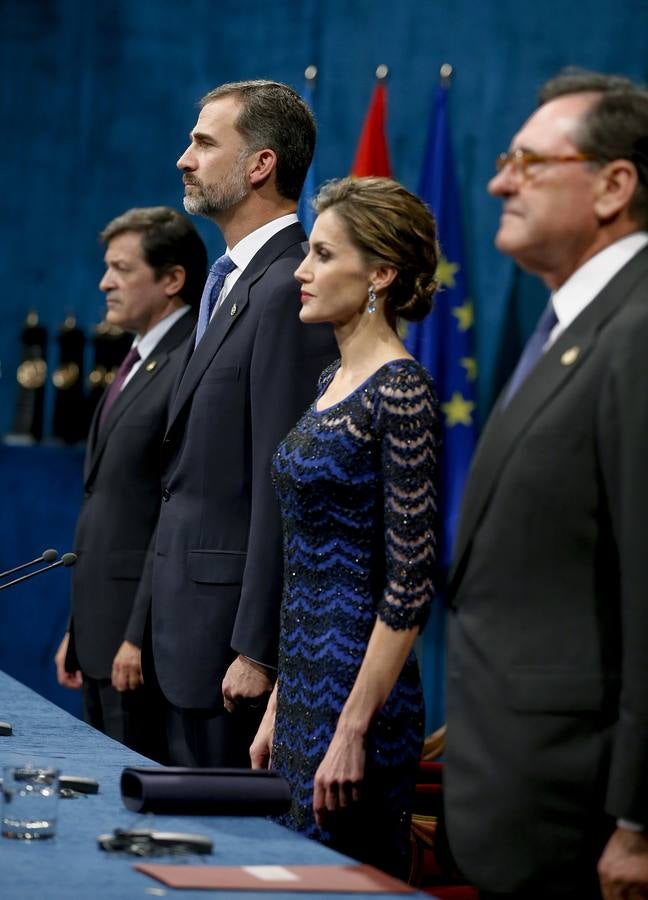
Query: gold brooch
[[570, 356]]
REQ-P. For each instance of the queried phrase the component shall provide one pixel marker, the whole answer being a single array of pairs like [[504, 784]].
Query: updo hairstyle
[[392, 227]]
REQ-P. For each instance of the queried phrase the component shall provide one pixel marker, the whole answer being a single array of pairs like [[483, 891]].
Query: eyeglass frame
[[520, 160]]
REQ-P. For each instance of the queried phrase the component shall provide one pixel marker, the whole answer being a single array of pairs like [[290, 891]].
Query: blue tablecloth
[[70, 867]]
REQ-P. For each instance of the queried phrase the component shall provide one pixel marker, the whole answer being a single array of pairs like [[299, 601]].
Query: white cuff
[[631, 826]]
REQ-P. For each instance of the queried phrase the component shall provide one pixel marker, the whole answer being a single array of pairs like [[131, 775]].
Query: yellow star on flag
[[445, 272], [458, 410], [469, 363], [465, 315]]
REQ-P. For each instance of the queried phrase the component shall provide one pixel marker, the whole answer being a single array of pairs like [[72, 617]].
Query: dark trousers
[[587, 888], [586, 892], [134, 718], [202, 738], [211, 738]]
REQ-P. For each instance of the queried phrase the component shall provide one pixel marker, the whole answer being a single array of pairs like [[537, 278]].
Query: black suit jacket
[[547, 660], [120, 508], [217, 568]]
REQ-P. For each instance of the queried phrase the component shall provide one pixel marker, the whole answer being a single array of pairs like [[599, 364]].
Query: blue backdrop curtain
[[97, 98]]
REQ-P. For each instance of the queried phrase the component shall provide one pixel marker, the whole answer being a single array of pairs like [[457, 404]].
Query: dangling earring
[[371, 306]]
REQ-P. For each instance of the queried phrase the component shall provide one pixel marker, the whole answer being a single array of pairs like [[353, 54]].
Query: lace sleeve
[[407, 431]]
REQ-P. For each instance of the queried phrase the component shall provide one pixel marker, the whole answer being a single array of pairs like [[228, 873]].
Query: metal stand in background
[[70, 423], [31, 377]]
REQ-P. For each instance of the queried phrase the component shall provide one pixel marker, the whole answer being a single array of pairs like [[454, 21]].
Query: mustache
[[187, 179]]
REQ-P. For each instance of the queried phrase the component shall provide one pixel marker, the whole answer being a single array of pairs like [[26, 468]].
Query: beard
[[210, 199]]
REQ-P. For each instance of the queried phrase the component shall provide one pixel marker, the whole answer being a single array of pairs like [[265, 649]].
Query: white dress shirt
[[147, 343], [247, 248], [586, 283]]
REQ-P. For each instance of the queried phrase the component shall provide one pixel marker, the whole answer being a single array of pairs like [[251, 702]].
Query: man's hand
[[623, 867], [72, 680], [127, 668], [247, 683]]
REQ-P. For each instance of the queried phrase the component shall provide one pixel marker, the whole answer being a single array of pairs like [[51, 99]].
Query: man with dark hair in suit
[[546, 777], [155, 269], [216, 577]]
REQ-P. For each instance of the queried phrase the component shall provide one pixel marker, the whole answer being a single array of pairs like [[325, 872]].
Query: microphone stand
[[68, 559], [47, 556]]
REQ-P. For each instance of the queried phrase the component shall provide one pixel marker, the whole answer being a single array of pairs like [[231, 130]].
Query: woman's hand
[[261, 747], [338, 779]]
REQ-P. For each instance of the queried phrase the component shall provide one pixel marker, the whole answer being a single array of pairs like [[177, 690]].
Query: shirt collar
[[147, 343], [587, 282], [243, 253]]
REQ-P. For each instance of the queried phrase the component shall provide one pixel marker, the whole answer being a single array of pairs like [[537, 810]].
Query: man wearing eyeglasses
[[547, 758]]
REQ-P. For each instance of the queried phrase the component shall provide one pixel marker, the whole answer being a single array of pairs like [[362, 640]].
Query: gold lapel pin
[[570, 356], [233, 309], [151, 365]]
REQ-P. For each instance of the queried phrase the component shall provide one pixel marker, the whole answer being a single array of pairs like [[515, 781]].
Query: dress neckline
[[363, 384]]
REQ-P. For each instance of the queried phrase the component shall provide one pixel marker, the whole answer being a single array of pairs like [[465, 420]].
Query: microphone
[[68, 559], [47, 556]]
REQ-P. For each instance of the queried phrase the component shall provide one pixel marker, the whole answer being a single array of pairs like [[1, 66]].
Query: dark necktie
[[532, 352], [213, 286], [116, 385]]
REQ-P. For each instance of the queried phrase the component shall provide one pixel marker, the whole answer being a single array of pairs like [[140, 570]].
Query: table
[[70, 867]]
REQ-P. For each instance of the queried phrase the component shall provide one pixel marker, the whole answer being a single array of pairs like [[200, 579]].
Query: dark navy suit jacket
[[217, 567], [120, 508]]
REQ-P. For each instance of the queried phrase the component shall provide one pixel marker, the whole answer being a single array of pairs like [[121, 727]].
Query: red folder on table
[[332, 879]]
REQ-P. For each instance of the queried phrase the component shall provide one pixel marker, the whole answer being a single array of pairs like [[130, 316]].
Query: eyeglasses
[[520, 160]]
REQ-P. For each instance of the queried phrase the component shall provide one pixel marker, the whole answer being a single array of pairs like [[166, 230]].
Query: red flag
[[372, 155]]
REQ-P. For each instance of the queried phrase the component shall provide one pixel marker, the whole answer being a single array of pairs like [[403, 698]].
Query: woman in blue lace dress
[[355, 484]]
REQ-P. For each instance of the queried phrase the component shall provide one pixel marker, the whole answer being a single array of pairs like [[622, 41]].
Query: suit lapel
[[145, 375], [93, 436], [200, 358], [229, 312], [507, 426]]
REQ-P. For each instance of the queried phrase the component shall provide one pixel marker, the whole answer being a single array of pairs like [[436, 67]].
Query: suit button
[[166, 494]]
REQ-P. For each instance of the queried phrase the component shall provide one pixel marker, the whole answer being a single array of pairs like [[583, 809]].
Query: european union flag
[[444, 344], [305, 211]]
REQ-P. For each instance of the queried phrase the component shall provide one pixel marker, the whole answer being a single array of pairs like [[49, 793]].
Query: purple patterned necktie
[[532, 352], [213, 286], [116, 385]]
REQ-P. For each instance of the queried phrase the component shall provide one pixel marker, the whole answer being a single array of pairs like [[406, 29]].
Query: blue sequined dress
[[355, 486]]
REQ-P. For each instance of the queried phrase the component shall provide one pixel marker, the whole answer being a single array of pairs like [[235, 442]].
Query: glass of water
[[30, 796]]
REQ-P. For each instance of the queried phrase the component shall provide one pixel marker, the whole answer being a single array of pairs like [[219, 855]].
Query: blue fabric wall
[[41, 494], [97, 98]]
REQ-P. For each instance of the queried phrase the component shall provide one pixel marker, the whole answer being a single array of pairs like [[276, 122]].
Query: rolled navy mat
[[175, 790]]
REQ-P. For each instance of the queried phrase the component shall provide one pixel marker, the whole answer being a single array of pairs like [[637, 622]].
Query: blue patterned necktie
[[213, 286], [533, 351]]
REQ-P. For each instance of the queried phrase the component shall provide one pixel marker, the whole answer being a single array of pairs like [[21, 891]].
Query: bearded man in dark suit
[[155, 268], [547, 757], [216, 575]]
